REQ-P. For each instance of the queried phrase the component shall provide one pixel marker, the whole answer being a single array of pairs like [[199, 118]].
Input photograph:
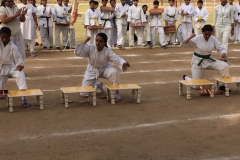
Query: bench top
[[229, 80], [122, 86], [77, 89], [27, 93], [196, 82]]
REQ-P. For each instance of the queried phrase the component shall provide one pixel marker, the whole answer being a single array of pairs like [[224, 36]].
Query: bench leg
[[227, 90], [188, 92], [38, 100], [94, 99], [108, 94], [10, 102], [217, 85], [212, 91], [180, 87], [238, 85], [66, 100], [62, 95], [41, 102], [133, 93], [112, 97], [139, 96]]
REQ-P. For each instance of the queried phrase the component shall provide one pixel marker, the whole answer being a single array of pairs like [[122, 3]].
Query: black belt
[[47, 18], [105, 20]]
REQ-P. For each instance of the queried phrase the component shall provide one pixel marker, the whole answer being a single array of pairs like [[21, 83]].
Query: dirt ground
[[165, 126]]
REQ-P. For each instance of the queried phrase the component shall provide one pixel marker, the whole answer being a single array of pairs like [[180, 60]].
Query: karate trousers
[[108, 73]]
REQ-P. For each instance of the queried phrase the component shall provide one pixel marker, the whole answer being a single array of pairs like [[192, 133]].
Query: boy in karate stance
[[121, 12], [200, 18], [92, 18], [170, 17], [156, 25], [187, 12], [136, 17], [113, 24], [11, 62], [146, 27]]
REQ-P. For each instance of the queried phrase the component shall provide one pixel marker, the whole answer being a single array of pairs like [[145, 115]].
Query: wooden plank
[[21, 93], [122, 86], [77, 89], [196, 82], [229, 80]]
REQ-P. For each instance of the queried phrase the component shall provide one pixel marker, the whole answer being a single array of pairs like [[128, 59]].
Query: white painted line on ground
[[132, 127]]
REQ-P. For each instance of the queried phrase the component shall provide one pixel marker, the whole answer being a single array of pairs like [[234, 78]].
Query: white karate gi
[[223, 18], [106, 17], [237, 18], [203, 47], [146, 28], [46, 25], [92, 18], [113, 31], [59, 17], [136, 16], [186, 21], [28, 27], [156, 26], [14, 25], [9, 55], [98, 64], [203, 13], [121, 23], [170, 15]]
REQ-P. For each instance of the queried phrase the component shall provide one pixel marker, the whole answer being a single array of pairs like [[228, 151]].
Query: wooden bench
[[25, 93], [195, 82], [112, 88], [226, 82], [84, 89]]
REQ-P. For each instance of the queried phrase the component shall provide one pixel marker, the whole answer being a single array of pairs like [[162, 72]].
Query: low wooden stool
[[226, 82], [195, 82], [112, 88], [25, 93], [85, 89]]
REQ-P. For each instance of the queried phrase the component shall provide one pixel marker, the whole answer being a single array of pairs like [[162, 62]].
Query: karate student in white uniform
[[121, 12], [92, 18], [237, 22], [113, 24], [203, 45], [99, 59], [146, 27], [223, 22], [11, 62], [136, 17], [62, 22], [10, 16], [200, 18], [28, 27], [45, 14], [156, 26], [187, 12], [170, 17], [232, 37], [106, 17]]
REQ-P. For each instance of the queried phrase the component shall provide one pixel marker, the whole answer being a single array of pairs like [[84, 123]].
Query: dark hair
[[104, 0], [104, 37], [92, 1], [135, 0], [5, 30], [96, 2], [200, 1], [144, 6], [156, 2], [171, 0], [3, 3], [207, 27], [112, 0]]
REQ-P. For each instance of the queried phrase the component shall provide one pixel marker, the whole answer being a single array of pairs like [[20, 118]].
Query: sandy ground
[[164, 126]]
